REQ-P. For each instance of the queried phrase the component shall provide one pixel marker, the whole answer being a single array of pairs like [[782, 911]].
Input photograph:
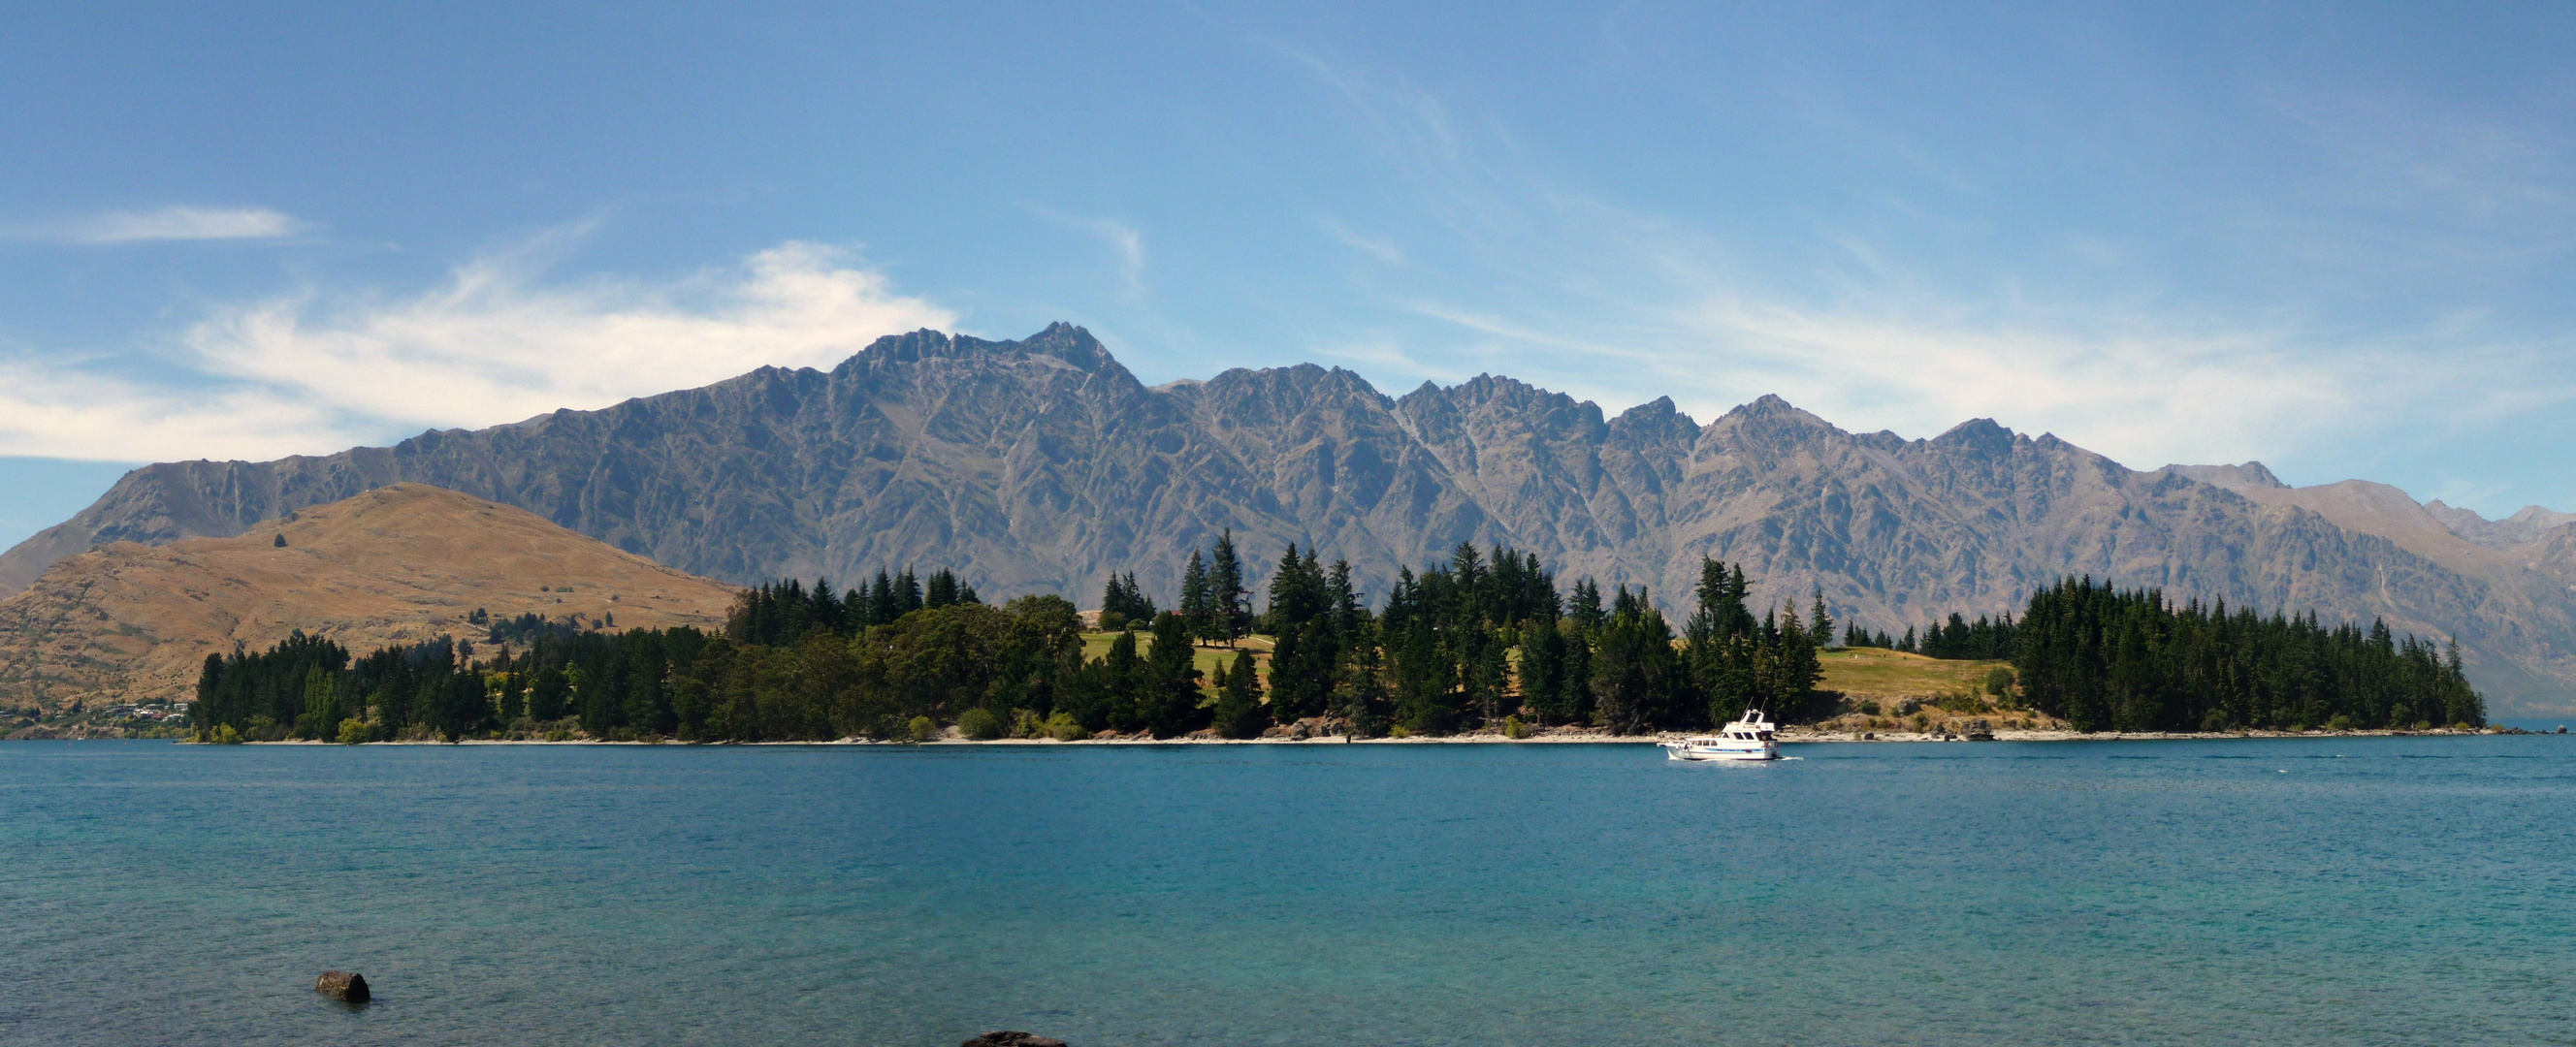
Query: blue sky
[[2336, 239]]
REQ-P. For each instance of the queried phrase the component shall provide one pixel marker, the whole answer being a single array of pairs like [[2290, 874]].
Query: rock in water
[[1011, 1039], [345, 986]]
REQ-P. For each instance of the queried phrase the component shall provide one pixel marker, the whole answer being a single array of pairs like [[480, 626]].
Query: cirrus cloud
[[179, 223]]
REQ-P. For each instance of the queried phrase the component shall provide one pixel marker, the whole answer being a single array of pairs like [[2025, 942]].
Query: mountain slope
[[1043, 464], [403, 564]]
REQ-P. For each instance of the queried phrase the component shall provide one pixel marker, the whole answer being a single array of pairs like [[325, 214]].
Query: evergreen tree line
[[1984, 639], [607, 685], [2107, 659], [1485, 640], [781, 611], [1478, 642]]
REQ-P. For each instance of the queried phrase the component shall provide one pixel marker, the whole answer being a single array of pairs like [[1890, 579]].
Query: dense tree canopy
[[1486, 640], [2108, 659]]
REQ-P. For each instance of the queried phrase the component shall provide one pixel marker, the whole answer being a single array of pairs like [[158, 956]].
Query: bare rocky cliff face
[[1043, 465]]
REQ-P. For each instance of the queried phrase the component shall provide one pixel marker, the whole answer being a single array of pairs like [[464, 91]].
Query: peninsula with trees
[[1488, 641]]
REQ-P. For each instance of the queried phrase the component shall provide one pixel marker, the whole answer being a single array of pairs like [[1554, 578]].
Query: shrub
[[2339, 722], [1869, 708], [979, 724], [1998, 680], [354, 731], [1113, 621], [1026, 724], [2215, 722], [922, 729], [1064, 728], [225, 735], [1514, 728]]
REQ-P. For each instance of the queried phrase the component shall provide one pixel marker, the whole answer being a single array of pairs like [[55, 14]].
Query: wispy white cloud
[[1124, 242], [1557, 286], [1385, 357], [313, 373], [2142, 394], [1377, 247], [176, 223]]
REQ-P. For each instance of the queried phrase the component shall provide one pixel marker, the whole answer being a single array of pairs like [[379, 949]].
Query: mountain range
[[1044, 465]]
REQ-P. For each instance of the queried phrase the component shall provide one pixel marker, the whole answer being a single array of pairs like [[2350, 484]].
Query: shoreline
[[1791, 737]]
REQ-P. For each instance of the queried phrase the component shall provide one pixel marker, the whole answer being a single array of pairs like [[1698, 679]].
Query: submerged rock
[[345, 986], [1012, 1039]]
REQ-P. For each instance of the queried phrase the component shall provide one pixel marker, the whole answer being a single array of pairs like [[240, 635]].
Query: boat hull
[[1749, 753]]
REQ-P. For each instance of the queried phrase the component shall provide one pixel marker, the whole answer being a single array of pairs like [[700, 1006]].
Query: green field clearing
[[1870, 672], [1096, 645]]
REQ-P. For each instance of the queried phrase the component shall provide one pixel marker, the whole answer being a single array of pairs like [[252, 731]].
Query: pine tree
[[1575, 682], [1239, 712], [1113, 600], [1302, 669], [1125, 681], [1585, 608], [1794, 668], [1543, 672], [1820, 625], [514, 689], [1197, 614], [1489, 679], [1229, 601], [1637, 678], [1347, 613], [1360, 692], [1298, 593], [907, 593], [883, 606], [1722, 654], [1170, 704]]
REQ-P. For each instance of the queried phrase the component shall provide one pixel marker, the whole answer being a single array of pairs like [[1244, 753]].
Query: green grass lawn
[[1096, 645], [1869, 672]]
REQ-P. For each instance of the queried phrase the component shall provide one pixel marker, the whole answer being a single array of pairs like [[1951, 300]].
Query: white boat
[[1748, 738]]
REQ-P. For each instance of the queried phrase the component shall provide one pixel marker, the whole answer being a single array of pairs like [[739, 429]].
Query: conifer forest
[[1489, 640]]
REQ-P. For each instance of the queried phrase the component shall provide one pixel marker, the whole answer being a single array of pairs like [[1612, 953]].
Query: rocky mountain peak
[[1060, 342], [1766, 405], [2529, 525], [2238, 478], [1980, 436]]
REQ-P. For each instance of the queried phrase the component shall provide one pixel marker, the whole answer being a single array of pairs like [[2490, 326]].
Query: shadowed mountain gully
[[1042, 464]]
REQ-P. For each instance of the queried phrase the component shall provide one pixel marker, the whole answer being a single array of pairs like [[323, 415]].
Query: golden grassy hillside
[[404, 564], [1892, 681]]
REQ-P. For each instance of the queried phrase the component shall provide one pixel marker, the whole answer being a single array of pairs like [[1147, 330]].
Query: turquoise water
[[2309, 891]]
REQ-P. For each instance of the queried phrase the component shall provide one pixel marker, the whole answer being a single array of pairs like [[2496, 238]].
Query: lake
[[2287, 891]]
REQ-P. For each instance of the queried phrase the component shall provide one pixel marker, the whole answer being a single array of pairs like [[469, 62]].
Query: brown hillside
[[403, 564]]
